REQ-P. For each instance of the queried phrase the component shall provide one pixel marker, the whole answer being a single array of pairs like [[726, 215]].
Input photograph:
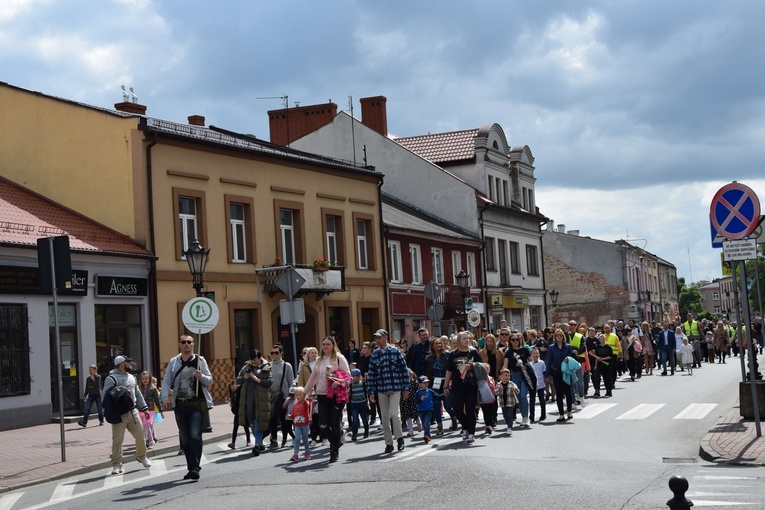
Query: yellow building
[[166, 184]]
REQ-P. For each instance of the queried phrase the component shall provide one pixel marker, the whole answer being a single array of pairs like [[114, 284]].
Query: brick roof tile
[[442, 147]]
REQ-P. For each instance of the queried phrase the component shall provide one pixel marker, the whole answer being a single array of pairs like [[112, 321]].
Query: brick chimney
[[196, 120], [128, 107], [289, 124], [374, 114]]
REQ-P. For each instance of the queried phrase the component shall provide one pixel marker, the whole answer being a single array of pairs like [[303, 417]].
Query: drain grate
[[679, 460]]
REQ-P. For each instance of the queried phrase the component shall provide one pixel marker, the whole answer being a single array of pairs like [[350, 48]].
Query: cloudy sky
[[637, 112]]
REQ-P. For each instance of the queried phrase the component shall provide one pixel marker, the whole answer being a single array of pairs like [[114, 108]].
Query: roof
[[398, 214], [442, 147], [26, 216]]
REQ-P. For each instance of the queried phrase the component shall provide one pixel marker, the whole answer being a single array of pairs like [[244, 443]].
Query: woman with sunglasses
[[463, 389], [493, 357], [556, 354], [517, 357]]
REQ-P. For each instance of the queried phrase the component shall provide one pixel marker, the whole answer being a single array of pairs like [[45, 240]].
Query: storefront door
[[70, 362]]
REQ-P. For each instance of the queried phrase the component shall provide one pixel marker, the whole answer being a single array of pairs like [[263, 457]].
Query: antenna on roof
[[285, 99], [353, 131]]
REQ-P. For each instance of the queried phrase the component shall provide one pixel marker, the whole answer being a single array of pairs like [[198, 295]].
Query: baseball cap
[[121, 359], [355, 371], [292, 390], [423, 378], [380, 332]]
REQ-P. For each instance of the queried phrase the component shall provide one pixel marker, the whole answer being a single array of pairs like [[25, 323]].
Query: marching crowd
[[412, 388]]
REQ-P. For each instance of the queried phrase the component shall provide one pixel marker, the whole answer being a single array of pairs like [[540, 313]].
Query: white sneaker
[[509, 431], [146, 462], [525, 423], [116, 470]]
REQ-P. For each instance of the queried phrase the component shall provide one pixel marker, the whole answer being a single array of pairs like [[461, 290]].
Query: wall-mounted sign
[[26, 280], [122, 286]]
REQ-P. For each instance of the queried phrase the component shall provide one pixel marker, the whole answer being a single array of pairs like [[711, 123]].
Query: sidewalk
[[33, 455], [734, 440]]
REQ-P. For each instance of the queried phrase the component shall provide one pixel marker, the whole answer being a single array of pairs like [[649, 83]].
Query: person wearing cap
[[188, 376], [388, 381], [130, 420], [426, 399], [357, 395]]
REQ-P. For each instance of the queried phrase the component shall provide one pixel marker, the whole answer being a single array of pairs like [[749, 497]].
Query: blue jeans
[[256, 433], [188, 417], [668, 354], [89, 405], [425, 417], [301, 434], [523, 401], [507, 414], [359, 409]]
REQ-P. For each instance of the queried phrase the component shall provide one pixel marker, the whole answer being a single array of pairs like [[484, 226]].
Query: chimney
[[573, 232], [129, 107], [196, 120], [551, 226], [289, 124], [374, 114], [561, 228]]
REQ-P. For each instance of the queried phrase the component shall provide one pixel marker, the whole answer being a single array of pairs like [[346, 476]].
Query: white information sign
[[743, 249], [200, 315], [474, 318]]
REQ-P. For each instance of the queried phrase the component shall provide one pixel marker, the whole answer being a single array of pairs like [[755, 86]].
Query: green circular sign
[[200, 315]]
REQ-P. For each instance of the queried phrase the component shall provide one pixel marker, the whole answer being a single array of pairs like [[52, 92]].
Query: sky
[[636, 111]]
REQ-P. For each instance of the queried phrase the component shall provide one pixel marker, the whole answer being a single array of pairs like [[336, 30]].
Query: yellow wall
[[78, 156]]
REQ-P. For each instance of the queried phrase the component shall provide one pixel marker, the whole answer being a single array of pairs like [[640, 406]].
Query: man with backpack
[[121, 404]]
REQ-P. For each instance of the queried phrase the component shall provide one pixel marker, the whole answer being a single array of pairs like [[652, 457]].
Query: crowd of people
[[414, 386]]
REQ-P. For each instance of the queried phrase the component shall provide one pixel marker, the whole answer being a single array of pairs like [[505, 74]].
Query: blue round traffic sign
[[735, 211]]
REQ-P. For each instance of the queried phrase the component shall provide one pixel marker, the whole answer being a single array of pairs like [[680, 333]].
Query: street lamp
[[463, 282], [554, 297], [196, 256]]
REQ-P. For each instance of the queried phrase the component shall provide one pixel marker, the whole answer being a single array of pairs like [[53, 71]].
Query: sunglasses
[[515, 339], [503, 334], [275, 352], [184, 342]]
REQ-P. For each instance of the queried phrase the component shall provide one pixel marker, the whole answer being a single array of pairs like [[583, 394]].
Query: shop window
[[15, 377]]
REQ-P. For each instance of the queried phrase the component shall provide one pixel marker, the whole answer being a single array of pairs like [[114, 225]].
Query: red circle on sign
[[733, 211]]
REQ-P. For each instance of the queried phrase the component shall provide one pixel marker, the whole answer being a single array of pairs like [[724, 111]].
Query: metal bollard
[[679, 486]]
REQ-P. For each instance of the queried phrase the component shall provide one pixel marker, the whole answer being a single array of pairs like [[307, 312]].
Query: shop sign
[[121, 286]]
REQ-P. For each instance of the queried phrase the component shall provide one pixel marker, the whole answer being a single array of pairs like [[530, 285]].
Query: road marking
[[63, 491], [427, 451], [695, 412], [719, 477], [399, 455], [592, 410], [640, 412], [114, 480], [7, 501], [158, 467], [720, 503]]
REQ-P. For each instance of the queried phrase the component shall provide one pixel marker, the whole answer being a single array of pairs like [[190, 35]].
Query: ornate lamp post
[[554, 298], [463, 282], [196, 256]]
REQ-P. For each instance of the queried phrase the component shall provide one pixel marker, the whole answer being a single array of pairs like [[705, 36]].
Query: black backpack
[[117, 401]]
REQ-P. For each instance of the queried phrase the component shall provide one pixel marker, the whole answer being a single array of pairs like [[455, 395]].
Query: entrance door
[[70, 360]]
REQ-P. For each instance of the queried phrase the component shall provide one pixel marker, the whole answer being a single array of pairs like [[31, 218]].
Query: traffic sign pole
[[751, 347]]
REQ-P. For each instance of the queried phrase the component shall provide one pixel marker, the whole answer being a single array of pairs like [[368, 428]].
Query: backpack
[[117, 401]]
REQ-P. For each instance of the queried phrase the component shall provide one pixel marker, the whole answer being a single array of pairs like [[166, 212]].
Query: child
[[686, 355], [409, 405], [425, 403], [288, 425], [539, 371], [301, 418], [92, 394], [710, 346], [506, 398], [234, 392], [358, 397], [151, 395]]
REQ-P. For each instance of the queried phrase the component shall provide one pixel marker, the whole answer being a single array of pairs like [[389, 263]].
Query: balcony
[[452, 302], [319, 283]]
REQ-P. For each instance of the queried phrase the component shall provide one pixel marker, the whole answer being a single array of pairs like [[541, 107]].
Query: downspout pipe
[[153, 300], [383, 253], [485, 283]]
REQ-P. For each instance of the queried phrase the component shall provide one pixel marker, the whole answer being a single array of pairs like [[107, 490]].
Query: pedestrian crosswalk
[[693, 411]]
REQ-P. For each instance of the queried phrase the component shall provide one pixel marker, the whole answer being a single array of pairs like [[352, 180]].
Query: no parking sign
[[735, 211]]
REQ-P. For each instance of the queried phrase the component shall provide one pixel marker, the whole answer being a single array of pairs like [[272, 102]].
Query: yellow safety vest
[[691, 328], [613, 341], [576, 343]]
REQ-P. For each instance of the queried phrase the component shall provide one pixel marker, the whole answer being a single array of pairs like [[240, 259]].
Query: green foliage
[[689, 298], [751, 275]]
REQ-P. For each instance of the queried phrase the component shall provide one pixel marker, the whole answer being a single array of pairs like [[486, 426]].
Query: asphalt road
[[616, 453]]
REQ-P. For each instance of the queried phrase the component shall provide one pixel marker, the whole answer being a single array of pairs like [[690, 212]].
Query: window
[[532, 264], [490, 188], [535, 316], [290, 237], [456, 262], [437, 261], [515, 258], [240, 235], [333, 236], [415, 261], [471, 268], [502, 247], [394, 256], [491, 261], [715, 296], [505, 193], [15, 374], [189, 208], [364, 234], [287, 229]]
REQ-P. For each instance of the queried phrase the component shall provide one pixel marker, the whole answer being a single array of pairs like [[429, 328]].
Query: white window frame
[[415, 261], [361, 244], [238, 233], [394, 256], [187, 225], [437, 261], [287, 234], [331, 238], [456, 262], [470, 258]]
